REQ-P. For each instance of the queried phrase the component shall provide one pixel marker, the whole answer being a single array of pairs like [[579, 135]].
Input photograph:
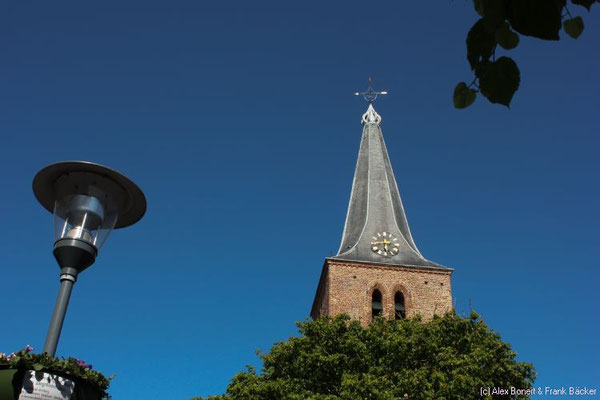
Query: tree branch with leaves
[[501, 22]]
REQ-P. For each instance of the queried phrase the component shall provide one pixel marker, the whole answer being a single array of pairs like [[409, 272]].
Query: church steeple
[[378, 270], [376, 229]]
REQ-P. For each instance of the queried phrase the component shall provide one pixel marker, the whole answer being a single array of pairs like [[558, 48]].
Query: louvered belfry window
[[376, 305], [399, 308]]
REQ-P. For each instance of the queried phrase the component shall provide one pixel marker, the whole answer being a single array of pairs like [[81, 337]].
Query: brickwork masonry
[[347, 287]]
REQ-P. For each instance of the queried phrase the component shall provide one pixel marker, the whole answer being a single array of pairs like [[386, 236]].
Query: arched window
[[399, 308], [376, 306]]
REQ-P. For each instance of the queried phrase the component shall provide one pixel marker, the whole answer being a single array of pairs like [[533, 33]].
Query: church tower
[[378, 269]]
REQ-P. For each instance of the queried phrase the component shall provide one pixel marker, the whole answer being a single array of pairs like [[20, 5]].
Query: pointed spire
[[376, 229]]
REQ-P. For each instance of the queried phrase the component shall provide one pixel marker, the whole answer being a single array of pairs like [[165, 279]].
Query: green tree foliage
[[500, 23], [448, 358]]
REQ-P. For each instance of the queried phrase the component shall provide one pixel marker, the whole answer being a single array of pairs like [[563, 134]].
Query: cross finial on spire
[[370, 95]]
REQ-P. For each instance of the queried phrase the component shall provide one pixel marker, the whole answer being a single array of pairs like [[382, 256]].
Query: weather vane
[[370, 95]]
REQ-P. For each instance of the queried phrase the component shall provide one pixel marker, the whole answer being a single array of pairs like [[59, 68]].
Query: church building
[[378, 269]]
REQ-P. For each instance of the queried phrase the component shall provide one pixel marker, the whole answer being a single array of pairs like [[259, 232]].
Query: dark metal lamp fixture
[[88, 201]]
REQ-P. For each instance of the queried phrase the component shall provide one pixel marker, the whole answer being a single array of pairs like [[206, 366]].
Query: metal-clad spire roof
[[376, 228]]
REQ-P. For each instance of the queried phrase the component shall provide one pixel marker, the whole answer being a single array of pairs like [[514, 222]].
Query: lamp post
[[88, 201]]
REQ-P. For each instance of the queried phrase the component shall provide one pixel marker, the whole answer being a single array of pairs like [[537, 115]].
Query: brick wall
[[347, 288]]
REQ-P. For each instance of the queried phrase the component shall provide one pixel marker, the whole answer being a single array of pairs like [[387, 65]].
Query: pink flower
[[28, 349], [83, 364]]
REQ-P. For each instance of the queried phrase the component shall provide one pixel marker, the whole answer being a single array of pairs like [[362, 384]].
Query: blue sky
[[237, 120]]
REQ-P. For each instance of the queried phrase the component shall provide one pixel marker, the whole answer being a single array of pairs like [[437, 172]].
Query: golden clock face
[[385, 244]]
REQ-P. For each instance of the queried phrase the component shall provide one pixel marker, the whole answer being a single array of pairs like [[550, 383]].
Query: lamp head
[[88, 201]]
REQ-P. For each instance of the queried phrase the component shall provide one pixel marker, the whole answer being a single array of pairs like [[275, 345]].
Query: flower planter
[[11, 384]]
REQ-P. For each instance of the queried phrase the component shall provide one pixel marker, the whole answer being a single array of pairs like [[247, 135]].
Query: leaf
[[506, 37], [463, 96], [478, 4], [480, 45], [499, 80], [573, 27], [494, 13], [537, 18], [585, 3], [38, 367]]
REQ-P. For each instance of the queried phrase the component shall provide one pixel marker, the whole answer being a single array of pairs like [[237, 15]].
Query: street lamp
[[88, 201]]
